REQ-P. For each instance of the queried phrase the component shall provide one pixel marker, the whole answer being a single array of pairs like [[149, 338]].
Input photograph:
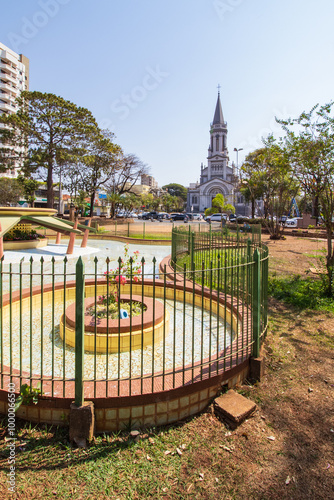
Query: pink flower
[[135, 279], [120, 279]]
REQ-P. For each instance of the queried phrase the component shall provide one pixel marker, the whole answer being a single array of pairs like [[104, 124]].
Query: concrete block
[[82, 423]]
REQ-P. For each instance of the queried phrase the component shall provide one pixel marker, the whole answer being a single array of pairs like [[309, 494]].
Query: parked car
[[291, 222], [150, 215], [197, 216], [175, 217], [140, 215], [216, 218], [163, 215]]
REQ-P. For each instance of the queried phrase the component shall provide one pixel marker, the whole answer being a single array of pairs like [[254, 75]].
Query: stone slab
[[233, 407]]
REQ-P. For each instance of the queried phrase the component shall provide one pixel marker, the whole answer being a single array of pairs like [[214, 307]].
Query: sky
[[149, 69]]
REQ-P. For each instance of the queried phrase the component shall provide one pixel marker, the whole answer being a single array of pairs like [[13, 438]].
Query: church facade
[[218, 176]]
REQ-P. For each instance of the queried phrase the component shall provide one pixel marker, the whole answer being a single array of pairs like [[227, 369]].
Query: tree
[[311, 149], [219, 205], [251, 186], [43, 126], [270, 171], [99, 163], [128, 172], [29, 186], [176, 190], [10, 191], [169, 202], [115, 200]]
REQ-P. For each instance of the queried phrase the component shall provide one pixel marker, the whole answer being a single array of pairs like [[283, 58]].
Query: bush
[[258, 220], [20, 235]]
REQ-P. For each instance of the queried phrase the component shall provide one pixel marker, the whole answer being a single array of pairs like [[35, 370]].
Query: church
[[217, 176]]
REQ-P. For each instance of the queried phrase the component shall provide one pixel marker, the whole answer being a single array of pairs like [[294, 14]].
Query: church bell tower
[[217, 152]]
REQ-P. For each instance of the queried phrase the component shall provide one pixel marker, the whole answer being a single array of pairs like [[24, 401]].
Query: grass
[[302, 293]]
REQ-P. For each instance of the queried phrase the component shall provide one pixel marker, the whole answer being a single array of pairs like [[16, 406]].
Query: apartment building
[[148, 180], [14, 77]]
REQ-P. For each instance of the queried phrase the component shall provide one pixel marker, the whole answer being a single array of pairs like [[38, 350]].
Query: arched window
[[217, 142]]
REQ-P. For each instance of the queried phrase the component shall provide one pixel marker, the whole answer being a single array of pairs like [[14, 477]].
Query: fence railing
[[198, 320]]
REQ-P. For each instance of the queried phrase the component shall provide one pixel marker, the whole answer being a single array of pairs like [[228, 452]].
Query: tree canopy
[[176, 190], [45, 131], [310, 142]]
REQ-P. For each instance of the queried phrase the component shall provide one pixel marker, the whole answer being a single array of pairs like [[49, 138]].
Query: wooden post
[[70, 247], [58, 238], [86, 234]]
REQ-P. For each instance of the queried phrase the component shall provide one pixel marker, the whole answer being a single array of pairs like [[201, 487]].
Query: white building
[[14, 78], [218, 176]]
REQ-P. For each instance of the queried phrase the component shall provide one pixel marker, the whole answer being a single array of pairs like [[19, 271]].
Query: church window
[[194, 199], [217, 142], [224, 142]]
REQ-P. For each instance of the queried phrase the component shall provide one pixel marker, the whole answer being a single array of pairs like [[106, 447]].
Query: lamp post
[[237, 151]]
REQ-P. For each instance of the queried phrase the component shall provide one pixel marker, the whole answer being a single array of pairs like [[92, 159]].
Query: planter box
[[24, 244]]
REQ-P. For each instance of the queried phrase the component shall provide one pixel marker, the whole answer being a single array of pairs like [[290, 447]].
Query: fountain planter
[[24, 244], [118, 335]]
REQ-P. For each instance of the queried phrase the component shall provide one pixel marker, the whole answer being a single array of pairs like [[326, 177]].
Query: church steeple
[[217, 153], [218, 118]]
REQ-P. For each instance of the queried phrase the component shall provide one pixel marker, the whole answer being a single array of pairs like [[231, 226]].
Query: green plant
[[101, 230], [301, 292], [310, 226], [27, 396], [128, 269]]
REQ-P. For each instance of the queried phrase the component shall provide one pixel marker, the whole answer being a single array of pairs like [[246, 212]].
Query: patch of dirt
[[294, 255]]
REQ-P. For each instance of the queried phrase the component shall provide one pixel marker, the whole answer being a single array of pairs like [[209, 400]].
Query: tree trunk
[[253, 208], [330, 261], [92, 196], [49, 187], [316, 209]]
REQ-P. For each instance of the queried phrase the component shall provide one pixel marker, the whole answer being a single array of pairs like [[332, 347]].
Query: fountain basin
[[118, 335]]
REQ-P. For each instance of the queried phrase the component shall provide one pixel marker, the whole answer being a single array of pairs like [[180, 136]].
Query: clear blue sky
[[149, 69]]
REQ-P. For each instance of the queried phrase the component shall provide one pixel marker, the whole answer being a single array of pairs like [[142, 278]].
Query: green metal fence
[[208, 314]]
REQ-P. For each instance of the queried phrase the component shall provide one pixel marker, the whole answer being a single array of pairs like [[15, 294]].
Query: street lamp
[[237, 151]]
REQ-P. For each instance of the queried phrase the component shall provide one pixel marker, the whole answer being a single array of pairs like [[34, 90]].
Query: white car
[[216, 218], [291, 222], [197, 216]]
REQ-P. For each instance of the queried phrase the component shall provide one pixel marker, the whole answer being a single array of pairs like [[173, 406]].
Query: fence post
[[256, 304], [192, 249], [79, 331], [128, 229]]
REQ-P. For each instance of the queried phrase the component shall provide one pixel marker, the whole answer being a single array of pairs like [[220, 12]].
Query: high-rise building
[[148, 180], [14, 78]]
